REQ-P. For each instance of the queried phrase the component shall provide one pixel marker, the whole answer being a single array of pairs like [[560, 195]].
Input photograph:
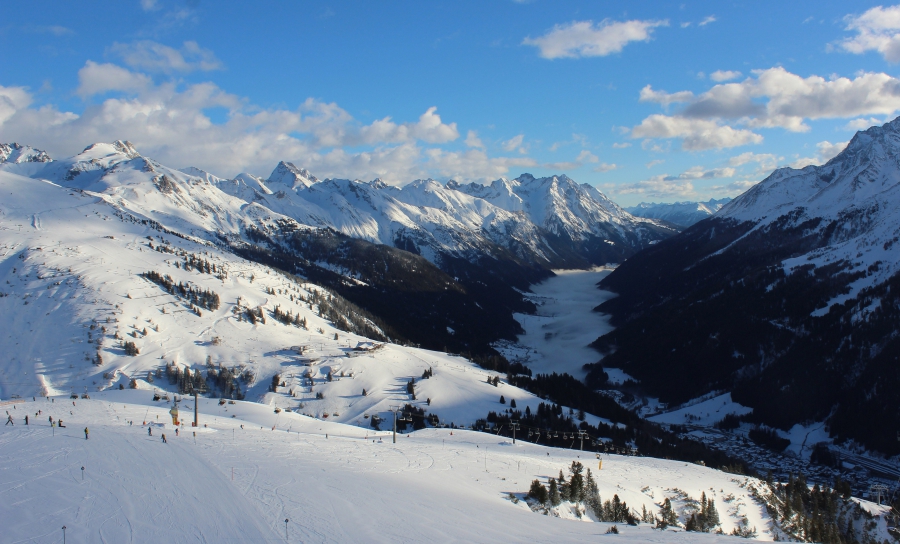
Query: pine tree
[[553, 495], [538, 492], [502, 400]]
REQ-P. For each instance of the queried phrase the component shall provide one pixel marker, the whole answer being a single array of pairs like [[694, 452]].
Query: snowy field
[[250, 469], [703, 412], [557, 338]]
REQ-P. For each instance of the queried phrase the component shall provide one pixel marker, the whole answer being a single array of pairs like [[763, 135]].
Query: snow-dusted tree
[[538, 492], [553, 494]]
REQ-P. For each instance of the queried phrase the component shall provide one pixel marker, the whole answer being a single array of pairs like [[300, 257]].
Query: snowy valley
[[127, 286]]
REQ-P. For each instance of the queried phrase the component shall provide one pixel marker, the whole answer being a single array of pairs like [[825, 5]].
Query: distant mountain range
[[429, 258], [682, 214], [789, 297]]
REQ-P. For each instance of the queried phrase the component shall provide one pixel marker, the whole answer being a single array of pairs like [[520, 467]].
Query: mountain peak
[[295, 178], [17, 153]]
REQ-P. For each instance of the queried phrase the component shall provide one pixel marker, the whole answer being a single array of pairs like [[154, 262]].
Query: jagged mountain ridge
[[788, 297], [552, 222], [682, 214]]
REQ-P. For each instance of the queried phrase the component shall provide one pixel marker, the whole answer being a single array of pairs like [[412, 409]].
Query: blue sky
[[660, 102]]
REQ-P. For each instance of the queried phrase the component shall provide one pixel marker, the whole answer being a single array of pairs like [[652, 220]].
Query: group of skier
[[59, 423]]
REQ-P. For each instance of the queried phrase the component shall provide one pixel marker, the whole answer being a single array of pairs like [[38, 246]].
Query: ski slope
[[248, 469]]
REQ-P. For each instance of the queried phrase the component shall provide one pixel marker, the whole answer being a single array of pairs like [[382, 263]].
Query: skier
[[60, 425], [9, 420], [85, 433], [176, 431], [51, 419], [149, 431], [26, 419], [164, 438]]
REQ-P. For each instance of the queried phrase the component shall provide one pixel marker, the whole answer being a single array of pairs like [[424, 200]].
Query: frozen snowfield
[[557, 338], [234, 484]]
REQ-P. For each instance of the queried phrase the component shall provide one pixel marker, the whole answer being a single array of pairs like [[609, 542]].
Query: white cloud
[[621, 145], [12, 99], [167, 121], [724, 75], [656, 188], [655, 162], [473, 164], [149, 5], [587, 39], [664, 98], [863, 124], [828, 150], [707, 20], [825, 151], [696, 134], [769, 98], [56, 30], [878, 29], [587, 157], [472, 140], [100, 78], [766, 161], [429, 129], [515, 144], [155, 57], [698, 172], [606, 167]]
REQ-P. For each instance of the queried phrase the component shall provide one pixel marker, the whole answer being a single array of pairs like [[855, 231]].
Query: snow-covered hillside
[[73, 293], [333, 482], [683, 214], [787, 297]]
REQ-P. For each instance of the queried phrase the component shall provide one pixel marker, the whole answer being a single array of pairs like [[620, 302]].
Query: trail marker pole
[[285, 528], [82, 474], [64, 534]]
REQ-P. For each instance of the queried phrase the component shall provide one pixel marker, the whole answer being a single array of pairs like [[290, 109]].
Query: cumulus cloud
[[587, 157], [96, 78], [151, 56], [473, 164], [695, 134], [725, 115], [167, 121], [664, 98], [515, 144], [584, 157], [587, 39], [724, 75], [656, 187], [765, 161], [472, 140], [878, 29], [825, 151], [606, 167], [621, 145], [863, 124], [429, 129], [698, 172]]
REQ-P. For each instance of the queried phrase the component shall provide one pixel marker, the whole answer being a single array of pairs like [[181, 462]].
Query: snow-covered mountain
[[788, 296], [17, 153], [548, 221], [683, 214]]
